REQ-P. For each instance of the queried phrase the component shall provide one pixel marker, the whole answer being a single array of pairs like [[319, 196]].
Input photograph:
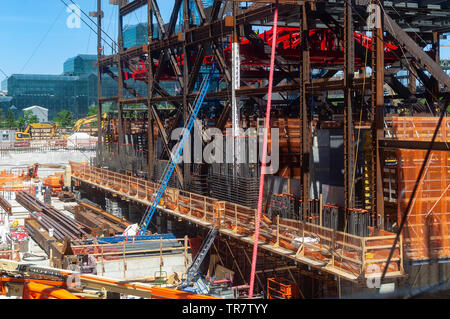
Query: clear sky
[[35, 37]]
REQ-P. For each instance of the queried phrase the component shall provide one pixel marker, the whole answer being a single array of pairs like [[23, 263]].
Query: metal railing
[[337, 251]]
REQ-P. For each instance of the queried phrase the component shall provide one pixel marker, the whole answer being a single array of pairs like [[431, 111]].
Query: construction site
[[302, 155]]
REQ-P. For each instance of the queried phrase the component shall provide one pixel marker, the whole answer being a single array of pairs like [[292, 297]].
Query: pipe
[[264, 154], [34, 290]]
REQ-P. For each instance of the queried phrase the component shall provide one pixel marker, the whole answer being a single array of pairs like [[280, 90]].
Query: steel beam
[[416, 51], [349, 70], [305, 131], [99, 154], [412, 145]]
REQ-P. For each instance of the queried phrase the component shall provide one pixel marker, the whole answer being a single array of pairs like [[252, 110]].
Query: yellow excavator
[[84, 121], [37, 131]]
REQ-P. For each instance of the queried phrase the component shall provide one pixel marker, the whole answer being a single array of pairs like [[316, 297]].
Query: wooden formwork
[[426, 233]]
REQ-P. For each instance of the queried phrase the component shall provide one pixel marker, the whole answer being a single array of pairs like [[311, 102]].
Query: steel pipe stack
[[49, 218]]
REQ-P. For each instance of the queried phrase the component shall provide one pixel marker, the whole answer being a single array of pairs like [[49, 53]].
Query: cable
[[101, 29], [6, 76], [42, 41], [87, 25], [264, 155]]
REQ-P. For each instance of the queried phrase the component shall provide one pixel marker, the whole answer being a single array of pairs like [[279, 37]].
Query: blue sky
[[36, 31], [35, 38]]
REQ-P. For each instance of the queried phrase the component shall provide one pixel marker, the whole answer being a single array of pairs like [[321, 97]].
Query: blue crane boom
[[176, 155]]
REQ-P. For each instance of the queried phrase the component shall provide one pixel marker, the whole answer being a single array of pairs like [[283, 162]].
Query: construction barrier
[[426, 233]]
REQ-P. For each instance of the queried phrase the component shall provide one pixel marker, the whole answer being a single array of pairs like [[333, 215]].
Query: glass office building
[[80, 65], [53, 92], [75, 90], [194, 16]]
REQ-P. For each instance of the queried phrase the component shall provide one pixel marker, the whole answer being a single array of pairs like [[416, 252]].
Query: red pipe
[[264, 154]]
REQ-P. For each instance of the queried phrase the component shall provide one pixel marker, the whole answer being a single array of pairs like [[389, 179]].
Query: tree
[[64, 118], [21, 122], [10, 119], [93, 110], [2, 119], [30, 117]]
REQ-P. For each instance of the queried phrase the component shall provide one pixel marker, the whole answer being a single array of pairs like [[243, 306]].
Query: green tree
[[10, 119], [30, 117], [93, 110], [21, 122], [2, 119], [64, 118]]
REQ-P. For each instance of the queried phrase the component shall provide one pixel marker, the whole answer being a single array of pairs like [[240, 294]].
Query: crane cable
[[42, 41], [88, 25], [264, 155], [95, 23]]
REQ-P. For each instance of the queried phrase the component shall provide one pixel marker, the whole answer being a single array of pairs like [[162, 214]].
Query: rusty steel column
[[377, 200], [412, 82], [436, 87], [100, 145], [349, 70], [120, 86], [305, 129], [185, 82], [150, 137]]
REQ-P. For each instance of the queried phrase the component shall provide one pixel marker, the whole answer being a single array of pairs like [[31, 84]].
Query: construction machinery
[[81, 123], [177, 153], [34, 282], [54, 182], [37, 131], [192, 275]]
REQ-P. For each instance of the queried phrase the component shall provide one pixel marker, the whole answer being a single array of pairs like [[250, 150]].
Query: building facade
[[75, 90]]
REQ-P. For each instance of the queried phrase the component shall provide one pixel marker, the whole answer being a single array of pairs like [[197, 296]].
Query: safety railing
[[333, 249], [417, 128], [121, 252]]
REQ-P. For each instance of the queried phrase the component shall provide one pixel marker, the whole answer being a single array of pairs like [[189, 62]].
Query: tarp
[[80, 138]]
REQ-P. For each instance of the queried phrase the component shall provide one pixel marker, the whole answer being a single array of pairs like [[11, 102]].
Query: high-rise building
[[80, 65], [134, 35], [195, 17]]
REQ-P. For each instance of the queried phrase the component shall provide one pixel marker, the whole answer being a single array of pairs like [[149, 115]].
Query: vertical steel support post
[[185, 82], [235, 85], [436, 88], [150, 145], [349, 69], [305, 146], [378, 120], [99, 85], [120, 86]]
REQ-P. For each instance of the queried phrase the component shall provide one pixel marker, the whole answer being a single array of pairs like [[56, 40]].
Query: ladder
[[176, 155]]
